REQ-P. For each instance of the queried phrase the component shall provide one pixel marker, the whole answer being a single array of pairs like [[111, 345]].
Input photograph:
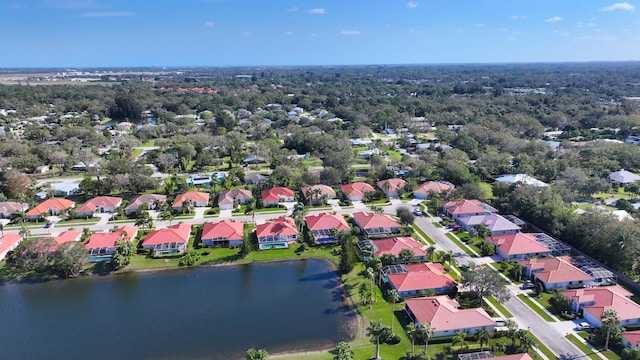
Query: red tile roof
[[461, 207], [395, 184], [53, 203], [279, 226], [435, 186], [372, 220], [422, 276], [64, 237], [524, 356], [194, 196], [176, 234], [443, 314], [633, 337], [145, 199], [274, 194], [229, 229], [357, 189], [93, 204], [8, 241], [518, 244], [104, 240], [396, 244], [324, 189], [229, 196], [327, 221], [555, 270], [598, 299]]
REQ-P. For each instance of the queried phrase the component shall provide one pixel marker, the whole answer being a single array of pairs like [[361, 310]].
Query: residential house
[[439, 187], [446, 317], [521, 179], [254, 179], [64, 237], [356, 191], [197, 199], [395, 245], [524, 356], [555, 272], [411, 279], [496, 224], [172, 240], [64, 189], [53, 206], [254, 159], [149, 199], [101, 204], [462, 208], [323, 225], [274, 196], [623, 177], [315, 192], [596, 300], [229, 199], [373, 224], [9, 242], [390, 187], [277, 234], [225, 233], [8, 208], [631, 340], [102, 246], [519, 246]]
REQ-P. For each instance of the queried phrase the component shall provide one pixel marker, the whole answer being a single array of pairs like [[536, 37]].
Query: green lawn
[[437, 224], [423, 234], [583, 347], [270, 210], [499, 306], [487, 189], [464, 247], [136, 152], [527, 300], [90, 221], [544, 349], [149, 143]]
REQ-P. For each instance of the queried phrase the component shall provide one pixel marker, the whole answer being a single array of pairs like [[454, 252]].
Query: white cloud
[[624, 6], [97, 14], [518, 17], [288, 33], [350, 32], [317, 11], [561, 33], [209, 24], [293, 9], [413, 4], [480, 24], [554, 19]]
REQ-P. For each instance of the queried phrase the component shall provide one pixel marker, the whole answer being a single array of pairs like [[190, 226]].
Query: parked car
[[417, 212], [49, 224], [528, 285], [499, 321], [584, 326]]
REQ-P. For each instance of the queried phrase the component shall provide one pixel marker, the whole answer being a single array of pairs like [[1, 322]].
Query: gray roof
[[624, 176]]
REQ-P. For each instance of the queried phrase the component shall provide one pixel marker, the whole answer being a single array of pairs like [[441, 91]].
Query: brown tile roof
[[194, 196], [229, 196], [93, 204]]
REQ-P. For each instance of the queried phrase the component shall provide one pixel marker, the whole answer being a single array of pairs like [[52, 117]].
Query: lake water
[[202, 313]]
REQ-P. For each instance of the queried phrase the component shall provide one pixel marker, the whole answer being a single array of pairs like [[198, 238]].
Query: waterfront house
[[101, 246], [315, 192], [9, 242], [446, 317], [495, 224], [277, 234], [8, 208], [631, 340], [169, 241], [101, 204], [53, 206], [274, 196], [149, 199], [462, 208], [395, 245], [518, 246], [373, 224], [596, 300], [357, 191], [323, 225], [439, 187], [197, 199], [390, 187], [411, 279], [64, 237], [229, 199], [225, 233], [555, 272]]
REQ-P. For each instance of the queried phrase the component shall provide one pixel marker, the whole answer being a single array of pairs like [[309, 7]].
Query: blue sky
[[107, 33]]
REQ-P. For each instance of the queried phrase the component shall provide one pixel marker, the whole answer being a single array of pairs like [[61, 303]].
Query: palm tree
[[187, 206], [24, 232], [459, 338], [166, 215], [483, 336], [251, 209], [512, 330], [431, 250], [610, 321], [370, 276], [448, 257], [377, 332], [394, 297], [1, 229], [386, 186], [365, 293], [413, 332], [526, 339], [425, 333]]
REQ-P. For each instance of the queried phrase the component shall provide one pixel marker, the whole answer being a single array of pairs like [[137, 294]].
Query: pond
[[201, 313]]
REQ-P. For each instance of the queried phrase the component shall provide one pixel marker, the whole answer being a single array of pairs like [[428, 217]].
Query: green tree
[[377, 333], [189, 258], [512, 330], [123, 253], [483, 336], [259, 354], [406, 255], [166, 215], [405, 215], [69, 259], [459, 338], [388, 259], [343, 351], [348, 255], [413, 332], [484, 281], [610, 323], [425, 333], [394, 297]]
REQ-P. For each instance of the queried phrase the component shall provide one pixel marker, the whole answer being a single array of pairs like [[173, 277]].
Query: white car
[[584, 326]]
